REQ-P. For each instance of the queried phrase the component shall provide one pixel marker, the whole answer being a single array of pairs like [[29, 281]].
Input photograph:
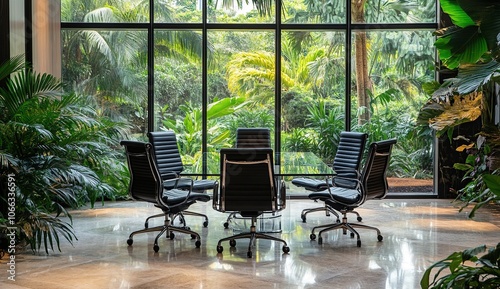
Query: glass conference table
[[287, 165]]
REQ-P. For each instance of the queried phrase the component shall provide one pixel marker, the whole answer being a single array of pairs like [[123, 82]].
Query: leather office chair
[[258, 137], [146, 185], [346, 165], [248, 186], [371, 185], [170, 166]]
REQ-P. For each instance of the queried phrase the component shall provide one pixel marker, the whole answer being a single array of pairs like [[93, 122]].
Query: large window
[[306, 70]]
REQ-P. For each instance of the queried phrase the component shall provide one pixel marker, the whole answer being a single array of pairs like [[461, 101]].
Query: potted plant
[[52, 146]]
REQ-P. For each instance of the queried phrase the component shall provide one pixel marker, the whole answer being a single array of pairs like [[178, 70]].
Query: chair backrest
[[247, 181], [145, 181], [259, 137], [166, 152], [348, 157], [374, 177]]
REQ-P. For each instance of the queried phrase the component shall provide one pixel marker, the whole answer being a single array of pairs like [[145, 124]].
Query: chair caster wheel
[[320, 240], [303, 219], [220, 249], [359, 243], [312, 237], [249, 254], [205, 224], [171, 236], [226, 225], [338, 221], [197, 244], [156, 248], [380, 238], [352, 235], [193, 236], [360, 219], [232, 243], [130, 241], [146, 225], [286, 249]]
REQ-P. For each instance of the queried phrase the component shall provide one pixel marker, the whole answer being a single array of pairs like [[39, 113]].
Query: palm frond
[[11, 66]]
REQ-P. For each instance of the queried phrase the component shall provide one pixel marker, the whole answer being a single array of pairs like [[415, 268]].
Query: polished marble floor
[[416, 233]]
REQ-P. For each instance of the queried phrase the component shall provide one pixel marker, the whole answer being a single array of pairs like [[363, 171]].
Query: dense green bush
[[57, 152]]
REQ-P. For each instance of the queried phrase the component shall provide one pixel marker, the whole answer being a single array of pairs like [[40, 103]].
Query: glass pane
[[387, 95], [178, 11], [105, 11], [313, 91], [241, 12], [299, 11], [178, 88], [241, 86], [388, 11], [109, 68]]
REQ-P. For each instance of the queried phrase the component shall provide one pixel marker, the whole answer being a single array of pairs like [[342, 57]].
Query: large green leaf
[[473, 76], [458, 46], [493, 183], [457, 14]]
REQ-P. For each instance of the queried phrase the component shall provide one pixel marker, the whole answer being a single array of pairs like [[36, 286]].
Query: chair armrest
[[356, 180], [216, 200], [186, 197]]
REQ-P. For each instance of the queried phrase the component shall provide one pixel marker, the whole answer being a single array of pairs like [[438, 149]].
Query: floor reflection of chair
[[372, 185], [248, 186], [146, 185]]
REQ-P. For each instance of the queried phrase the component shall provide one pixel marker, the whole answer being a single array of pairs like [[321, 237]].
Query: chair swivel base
[[253, 236], [328, 210], [169, 230], [345, 226], [181, 217]]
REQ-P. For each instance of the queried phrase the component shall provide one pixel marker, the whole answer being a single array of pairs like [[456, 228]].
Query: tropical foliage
[[57, 149], [467, 270], [471, 47], [469, 95]]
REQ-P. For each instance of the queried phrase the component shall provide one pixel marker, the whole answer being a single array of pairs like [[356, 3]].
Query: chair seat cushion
[[342, 195], [185, 183], [174, 197], [310, 184]]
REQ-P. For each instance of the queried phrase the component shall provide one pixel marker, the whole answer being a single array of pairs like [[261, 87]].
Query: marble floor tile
[[416, 232]]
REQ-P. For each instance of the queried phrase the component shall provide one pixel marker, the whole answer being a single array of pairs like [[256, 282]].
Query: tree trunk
[[363, 83]]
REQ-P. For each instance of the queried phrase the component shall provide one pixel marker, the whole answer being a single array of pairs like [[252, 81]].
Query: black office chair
[[371, 185], [346, 165], [252, 137], [248, 186], [170, 166], [146, 185]]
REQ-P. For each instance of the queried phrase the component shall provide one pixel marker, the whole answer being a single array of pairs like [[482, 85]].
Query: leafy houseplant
[[52, 147], [470, 47], [485, 273]]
